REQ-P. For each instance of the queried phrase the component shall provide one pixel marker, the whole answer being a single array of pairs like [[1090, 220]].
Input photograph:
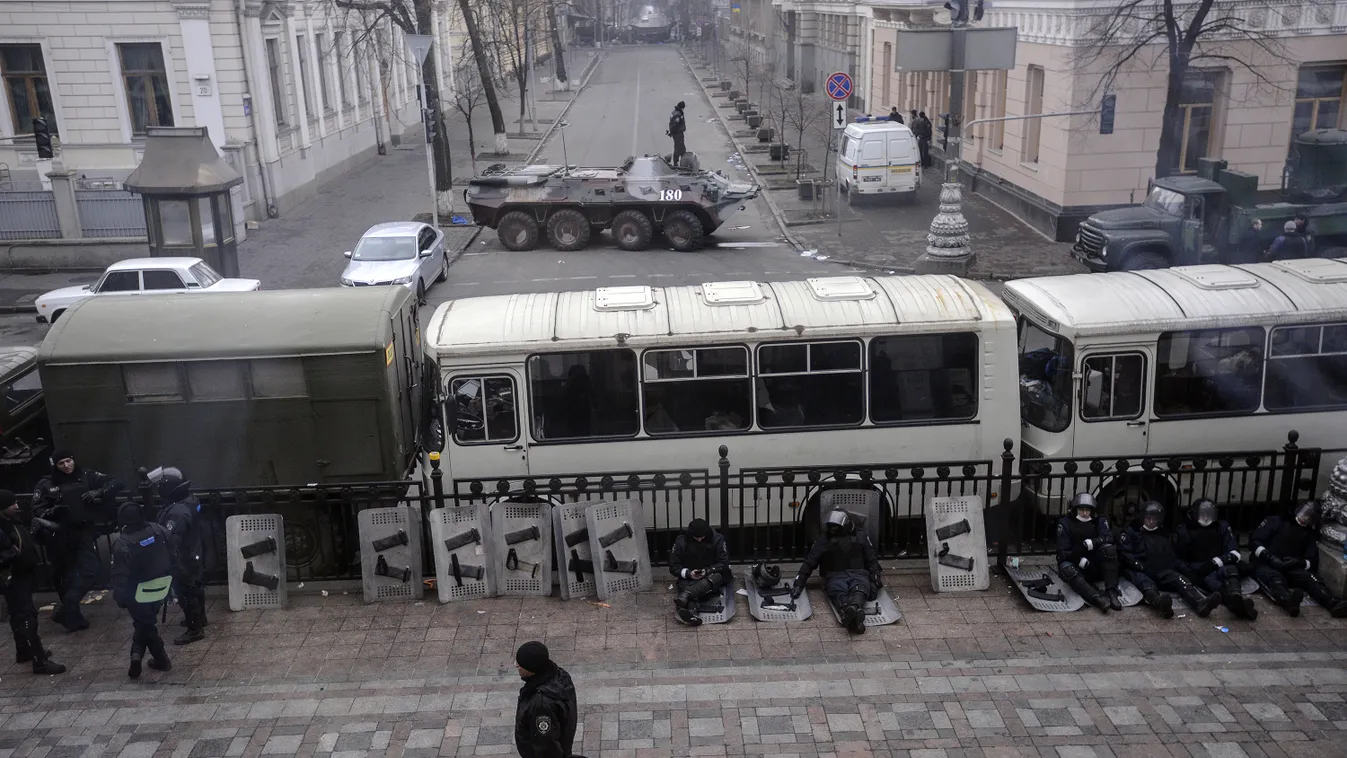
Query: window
[[810, 384], [274, 73], [579, 395], [305, 82], [923, 377], [873, 150], [278, 377], [146, 81], [1320, 91], [1033, 106], [204, 274], [23, 391], [1045, 378], [702, 390], [343, 93], [425, 240], [215, 380], [1197, 100], [175, 218], [153, 383], [999, 110], [120, 281], [1213, 371], [162, 280], [1112, 387], [1307, 368], [324, 55], [26, 81], [484, 416]]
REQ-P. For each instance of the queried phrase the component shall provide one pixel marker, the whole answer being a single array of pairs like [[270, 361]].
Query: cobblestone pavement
[[975, 674]]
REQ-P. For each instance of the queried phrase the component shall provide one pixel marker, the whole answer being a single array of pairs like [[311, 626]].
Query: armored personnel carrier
[[643, 197]]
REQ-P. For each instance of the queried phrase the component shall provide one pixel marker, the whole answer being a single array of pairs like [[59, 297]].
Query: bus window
[[578, 395], [688, 391], [923, 377], [810, 384], [1211, 371], [1307, 368], [484, 409], [1045, 378], [1113, 386]]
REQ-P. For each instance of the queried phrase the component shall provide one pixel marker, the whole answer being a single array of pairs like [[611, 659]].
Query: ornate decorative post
[[947, 248]]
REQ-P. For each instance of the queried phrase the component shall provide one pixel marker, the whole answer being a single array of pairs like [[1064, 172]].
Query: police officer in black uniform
[[76, 499], [1285, 552], [1148, 553], [1086, 554], [677, 125], [547, 713], [850, 567], [701, 563], [142, 565], [181, 518], [1209, 555], [18, 564]]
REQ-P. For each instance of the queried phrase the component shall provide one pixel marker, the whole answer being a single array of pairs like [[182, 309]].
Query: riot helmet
[[839, 523], [169, 484], [1307, 512], [1083, 506], [1204, 512], [131, 515], [766, 577], [1152, 516]]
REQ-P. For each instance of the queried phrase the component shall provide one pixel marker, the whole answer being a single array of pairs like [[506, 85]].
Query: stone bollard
[[1333, 531]]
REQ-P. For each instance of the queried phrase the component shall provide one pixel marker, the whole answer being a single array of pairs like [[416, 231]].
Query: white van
[[879, 156]]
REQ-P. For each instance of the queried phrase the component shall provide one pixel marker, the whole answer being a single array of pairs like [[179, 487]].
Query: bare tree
[[469, 93], [516, 23], [482, 56], [1136, 36], [807, 116], [563, 82]]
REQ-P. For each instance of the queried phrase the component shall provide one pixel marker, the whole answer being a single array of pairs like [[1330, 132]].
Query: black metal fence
[[773, 513]]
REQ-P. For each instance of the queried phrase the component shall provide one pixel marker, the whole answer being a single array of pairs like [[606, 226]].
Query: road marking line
[[622, 276], [573, 278], [636, 111]]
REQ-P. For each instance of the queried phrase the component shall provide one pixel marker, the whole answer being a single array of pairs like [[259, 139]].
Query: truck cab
[[1179, 223]]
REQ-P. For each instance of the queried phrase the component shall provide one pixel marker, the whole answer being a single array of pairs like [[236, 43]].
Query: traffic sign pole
[[839, 88]]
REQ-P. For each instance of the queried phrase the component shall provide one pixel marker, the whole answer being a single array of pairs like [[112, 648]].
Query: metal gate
[[110, 213], [28, 215]]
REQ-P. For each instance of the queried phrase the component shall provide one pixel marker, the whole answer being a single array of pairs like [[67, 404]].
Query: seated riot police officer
[[142, 564], [850, 569], [701, 563], [1086, 554], [1147, 550], [1285, 553], [1209, 555]]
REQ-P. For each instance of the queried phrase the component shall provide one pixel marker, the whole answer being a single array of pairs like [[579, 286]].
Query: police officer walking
[[142, 562], [18, 562], [181, 519], [75, 499], [677, 125], [547, 714]]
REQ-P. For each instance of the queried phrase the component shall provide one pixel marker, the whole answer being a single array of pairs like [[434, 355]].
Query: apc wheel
[[568, 230], [683, 230], [517, 231], [633, 230], [1144, 262]]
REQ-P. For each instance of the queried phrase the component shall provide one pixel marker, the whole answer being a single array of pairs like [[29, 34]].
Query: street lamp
[[419, 45]]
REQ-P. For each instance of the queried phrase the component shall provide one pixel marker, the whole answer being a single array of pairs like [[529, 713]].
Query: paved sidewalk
[[975, 674]]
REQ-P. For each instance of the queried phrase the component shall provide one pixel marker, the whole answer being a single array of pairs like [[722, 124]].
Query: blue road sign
[[839, 86]]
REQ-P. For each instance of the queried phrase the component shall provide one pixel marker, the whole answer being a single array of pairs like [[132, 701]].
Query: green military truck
[[1197, 219]]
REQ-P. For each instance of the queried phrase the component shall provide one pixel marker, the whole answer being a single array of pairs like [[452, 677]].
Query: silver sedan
[[402, 252]]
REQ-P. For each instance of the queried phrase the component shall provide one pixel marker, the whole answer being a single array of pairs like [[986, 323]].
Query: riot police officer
[[1148, 553], [1285, 552], [547, 712], [142, 564], [1209, 555], [851, 571], [1086, 554], [701, 563], [181, 519], [18, 563], [76, 499]]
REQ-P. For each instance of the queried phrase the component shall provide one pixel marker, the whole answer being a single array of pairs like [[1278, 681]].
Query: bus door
[[484, 411], [1113, 417]]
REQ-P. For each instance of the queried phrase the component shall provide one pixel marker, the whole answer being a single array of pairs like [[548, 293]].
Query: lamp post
[[419, 45]]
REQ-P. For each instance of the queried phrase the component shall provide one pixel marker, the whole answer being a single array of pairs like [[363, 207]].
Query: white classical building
[[293, 92]]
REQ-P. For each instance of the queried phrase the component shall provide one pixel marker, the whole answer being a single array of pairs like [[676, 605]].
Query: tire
[[55, 315], [1145, 261], [444, 269], [684, 231], [632, 230], [568, 230], [517, 231]]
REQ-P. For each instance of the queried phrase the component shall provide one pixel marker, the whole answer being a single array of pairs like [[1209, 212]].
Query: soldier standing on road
[[922, 126], [18, 562], [547, 714], [677, 125]]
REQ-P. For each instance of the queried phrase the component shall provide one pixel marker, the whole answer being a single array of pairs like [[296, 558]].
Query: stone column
[[292, 45], [67, 210], [337, 74], [315, 74], [194, 23]]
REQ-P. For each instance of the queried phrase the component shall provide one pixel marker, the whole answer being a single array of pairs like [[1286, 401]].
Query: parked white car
[[143, 276], [401, 252]]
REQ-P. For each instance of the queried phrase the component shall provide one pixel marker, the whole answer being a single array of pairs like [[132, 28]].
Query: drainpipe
[[262, 168]]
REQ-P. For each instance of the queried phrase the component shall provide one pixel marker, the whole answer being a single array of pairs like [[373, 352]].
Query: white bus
[[829, 371], [1207, 358]]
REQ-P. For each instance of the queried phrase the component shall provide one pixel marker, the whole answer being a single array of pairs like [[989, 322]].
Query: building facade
[[294, 93]]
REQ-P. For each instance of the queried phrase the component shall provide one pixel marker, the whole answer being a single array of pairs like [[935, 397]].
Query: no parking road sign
[[839, 86]]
